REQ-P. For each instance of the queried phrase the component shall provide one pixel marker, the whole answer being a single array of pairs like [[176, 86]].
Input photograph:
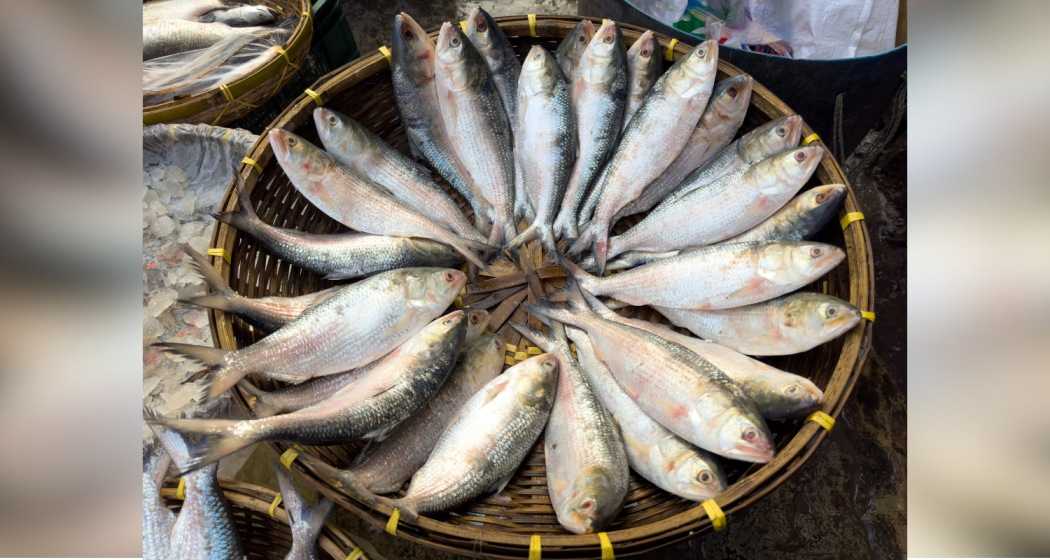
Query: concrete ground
[[849, 500]]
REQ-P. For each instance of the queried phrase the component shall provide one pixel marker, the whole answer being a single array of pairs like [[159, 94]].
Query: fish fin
[[530, 233], [306, 522], [538, 338], [262, 406], [218, 301], [243, 216], [206, 440], [208, 356], [585, 280], [206, 271], [614, 304], [501, 485]]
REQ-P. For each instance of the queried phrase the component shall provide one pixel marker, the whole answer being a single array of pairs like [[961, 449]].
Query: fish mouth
[[760, 451], [829, 195], [445, 36], [279, 142], [406, 29], [794, 127], [321, 116]]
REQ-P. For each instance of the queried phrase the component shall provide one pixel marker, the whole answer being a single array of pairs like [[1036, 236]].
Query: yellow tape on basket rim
[[391, 524], [180, 490], [851, 217], [532, 25], [811, 139], [669, 53], [219, 252], [385, 51], [355, 554], [508, 360], [273, 505], [606, 544], [249, 161], [283, 53], [869, 315], [822, 419], [313, 95], [288, 457], [715, 513], [463, 25], [511, 348], [225, 89], [535, 548]]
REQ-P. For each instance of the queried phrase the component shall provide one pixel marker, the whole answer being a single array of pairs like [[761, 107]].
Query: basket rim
[[254, 497], [296, 47], [741, 494]]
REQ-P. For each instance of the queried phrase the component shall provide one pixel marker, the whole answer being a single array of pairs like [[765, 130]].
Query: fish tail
[[306, 522], [204, 355], [601, 249], [530, 233], [461, 246], [243, 216], [583, 242], [204, 441], [565, 224], [586, 280], [539, 338], [263, 405], [548, 311]]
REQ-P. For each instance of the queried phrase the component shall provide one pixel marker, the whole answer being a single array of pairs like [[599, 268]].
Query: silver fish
[[545, 143], [804, 216], [717, 276], [717, 127], [306, 522], [477, 124], [643, 69], [367, 154], [354, 327], [495, 48], [587, 472], [397, 458], [599, 93], [206, 11], [339, 256], [175, 36], [203, 529], [666, 118], [157, 519], [486, 441], [666, 460], [786, 325], [776, 393], [571, 48], [313, 391], [727, 206], [392, 391], [270, 312], [674, 386], [412, 73], [767, 140], [353, 200]]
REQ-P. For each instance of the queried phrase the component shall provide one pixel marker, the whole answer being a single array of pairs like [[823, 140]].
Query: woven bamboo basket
[[221, 105], [264, 535], [650, 518]]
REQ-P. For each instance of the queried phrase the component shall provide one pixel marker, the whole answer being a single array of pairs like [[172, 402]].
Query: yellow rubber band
[[533, 351], [273, 505], [219, 252], [851, 217], [225, 89], [607, 549], [249, 161], [822, 419], [511, 347], [391, 524], [869, 315], [810, 139], [718, 517], [180, 490], [383, 50], [535, 548], [508, 360], [283, 53], [313, 95], [463, 25], [288, 457], [306, 14], [532, 25], [355, 554], [669, 53]]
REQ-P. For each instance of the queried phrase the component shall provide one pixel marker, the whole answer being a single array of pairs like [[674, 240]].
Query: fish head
[[539, 73], [809, 259], [700, 478], [820, 315], [602, 60], [413, 50], [592, 503], [342, 133], [298, 157], [743, 436], [535, 381], [477, 321], [731, 98], [432, 287], [693, 74], [453, 322], [820, 203], [771, 138], [579, 39], [789, 396], [790, 168], [480, 30], [453, 55]]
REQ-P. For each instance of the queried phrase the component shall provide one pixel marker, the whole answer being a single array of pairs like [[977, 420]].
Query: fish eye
[[332, 120], [646, 53], [701, 53], [815, 252], [831, 312], [587, 504], [481, 25], [781, 131], [704, 476], [791, 389], [449, 277], [800, 156], [292, 141], [749, 434], [731, 92], [407, 34], [821, 197], [608, 38], [454, 42], [582, 38]]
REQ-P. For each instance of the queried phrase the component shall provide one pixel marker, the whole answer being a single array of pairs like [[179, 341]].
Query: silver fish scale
[[273, 312], [307, 393], [338, 420], [399, 456], [203, 530], [352, 328], [157, 520]]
